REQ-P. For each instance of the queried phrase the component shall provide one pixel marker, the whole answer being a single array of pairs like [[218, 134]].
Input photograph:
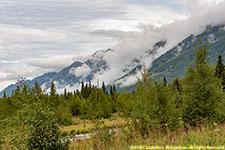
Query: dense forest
[[31, 118]]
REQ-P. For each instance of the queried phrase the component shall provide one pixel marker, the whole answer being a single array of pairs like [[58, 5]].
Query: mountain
[[45, 78], [173, 63], [70, 76], [82, 71]]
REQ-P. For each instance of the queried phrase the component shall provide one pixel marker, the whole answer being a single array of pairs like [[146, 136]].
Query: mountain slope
[[174, 62], [70, 76], [171, 64], [45, 78]]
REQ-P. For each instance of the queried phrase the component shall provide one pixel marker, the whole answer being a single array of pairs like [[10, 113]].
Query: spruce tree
[[114, 88], [203, 95], [37, 89], [219, 70], [164, 81], [177, 93], [96, 106], [152, 107], [54, 97], [52, 90], [82, 89], [111, 90], [65, 94], [103, 87], [176, 84], [4, 95]]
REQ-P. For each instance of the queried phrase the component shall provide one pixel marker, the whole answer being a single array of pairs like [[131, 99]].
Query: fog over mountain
[[134, 44], [46, 36]]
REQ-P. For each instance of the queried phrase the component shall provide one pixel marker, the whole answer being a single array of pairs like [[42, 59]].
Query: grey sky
[[37, 36]]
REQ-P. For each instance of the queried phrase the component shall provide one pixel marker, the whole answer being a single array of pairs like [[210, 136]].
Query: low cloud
[[82, 71], [134, 44], [56, 63]]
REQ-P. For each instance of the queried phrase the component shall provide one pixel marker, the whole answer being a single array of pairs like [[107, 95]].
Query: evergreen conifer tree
[[203, 94], [52, 90], [164, 81], [4, 95], [220, 70], [103, 87], [176, 84]]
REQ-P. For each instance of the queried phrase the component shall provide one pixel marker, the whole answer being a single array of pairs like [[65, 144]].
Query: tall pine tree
[[219, 70], [203, 95]]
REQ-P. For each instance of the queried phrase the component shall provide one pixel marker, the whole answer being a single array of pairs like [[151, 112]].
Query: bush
[[72, 132], [64, 115], [44, 130], [96, 106], [152, 107], [65, 133]]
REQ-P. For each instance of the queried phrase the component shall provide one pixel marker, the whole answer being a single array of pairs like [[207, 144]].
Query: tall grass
[[202, 135]]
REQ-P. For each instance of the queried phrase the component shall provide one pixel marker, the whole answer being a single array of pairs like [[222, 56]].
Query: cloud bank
[[133, 44], [46, 35]]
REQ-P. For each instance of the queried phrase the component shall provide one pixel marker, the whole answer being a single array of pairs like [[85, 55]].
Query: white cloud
[[68, 88], [46, 35], [56, 62], [129, 80], [82, 71], [133, 44]]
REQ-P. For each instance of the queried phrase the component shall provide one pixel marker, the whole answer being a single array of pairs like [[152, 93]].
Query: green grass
[[193, 136], [87, 126]]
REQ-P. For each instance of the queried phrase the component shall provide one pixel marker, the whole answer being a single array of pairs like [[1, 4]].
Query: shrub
[[44, 130], [64, 115], [96, 106], [65, 133], [72, 132], [152, 107]]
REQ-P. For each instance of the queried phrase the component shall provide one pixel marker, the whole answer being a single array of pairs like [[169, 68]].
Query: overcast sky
[[38, 36]]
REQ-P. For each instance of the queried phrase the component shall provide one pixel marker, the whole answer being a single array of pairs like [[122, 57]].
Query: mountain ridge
[[171, 64]]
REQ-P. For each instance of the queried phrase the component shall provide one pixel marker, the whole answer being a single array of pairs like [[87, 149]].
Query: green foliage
[[103, 87], [200, 53], [177, 94], [11, 129], [96, 106], [203, 95], [44, 130], [220, 70], [52, 90], [74, 105], [152, 107], [32, 118], [7, 108], [85, 90], [63, 114]]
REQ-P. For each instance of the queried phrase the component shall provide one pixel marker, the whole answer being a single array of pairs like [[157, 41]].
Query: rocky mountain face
[[171, 64]]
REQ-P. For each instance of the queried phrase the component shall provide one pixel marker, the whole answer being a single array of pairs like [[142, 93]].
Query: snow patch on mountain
[[179, 49], [211, 38]]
